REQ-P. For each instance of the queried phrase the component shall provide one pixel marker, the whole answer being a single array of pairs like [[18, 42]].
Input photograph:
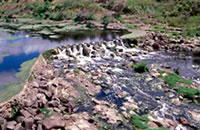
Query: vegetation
[[47, 54], [13, 88], [46, 112], [141, 67], [140, 123], [176, 13], [172, 79], [4, 55], [25, 69], [189, 93]]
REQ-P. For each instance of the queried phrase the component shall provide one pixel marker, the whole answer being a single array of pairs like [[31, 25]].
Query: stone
[[153, 125], [86, 51], [19, 127], [25, 113], [39, 127], [195, 116], [28, 123], [11, 125], [54, 122], [196, 51], [156, 46], [176, 101], [128, 65]]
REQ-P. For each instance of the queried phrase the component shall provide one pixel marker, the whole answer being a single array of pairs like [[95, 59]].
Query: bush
[[141, 67], [84, 16]]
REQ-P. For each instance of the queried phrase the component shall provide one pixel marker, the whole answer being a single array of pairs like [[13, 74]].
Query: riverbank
[[104, 85]]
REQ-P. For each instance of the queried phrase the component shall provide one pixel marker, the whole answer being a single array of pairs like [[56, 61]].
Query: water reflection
[[21, 47], [7, 77]]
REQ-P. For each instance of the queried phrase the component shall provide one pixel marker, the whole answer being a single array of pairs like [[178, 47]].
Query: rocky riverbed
[[106, 85]]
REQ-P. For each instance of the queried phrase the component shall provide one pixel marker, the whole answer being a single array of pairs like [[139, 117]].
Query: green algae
[[14, 45], [4, 55]]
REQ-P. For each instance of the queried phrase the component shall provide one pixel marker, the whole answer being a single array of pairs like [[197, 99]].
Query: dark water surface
[[20, 47]]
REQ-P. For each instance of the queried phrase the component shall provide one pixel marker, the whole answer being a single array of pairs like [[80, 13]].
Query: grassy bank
[[13, 88], [184, 14]]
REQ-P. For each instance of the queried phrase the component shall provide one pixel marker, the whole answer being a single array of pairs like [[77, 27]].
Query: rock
[[53, 103], [196, 51], [25, 113], [39, 127], [19, 127], [176, 101], [54, 122], [86, 51], [153, 125], [195, 116], [11, 125], [148, 79], [156, 46], [28, 123], [128, 65]]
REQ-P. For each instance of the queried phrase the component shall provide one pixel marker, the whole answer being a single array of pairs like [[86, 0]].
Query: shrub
[[141, 67]]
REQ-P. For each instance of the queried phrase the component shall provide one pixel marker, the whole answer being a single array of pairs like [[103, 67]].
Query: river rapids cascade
[[110, 60]]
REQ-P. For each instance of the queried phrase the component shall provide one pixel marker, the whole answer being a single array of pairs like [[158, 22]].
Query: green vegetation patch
[[4, 55], [172, 78], [131, 26], [140, 67], [46, 112], [189, 93], [140, 123], [25, 69], [13, 88], [47, 54]]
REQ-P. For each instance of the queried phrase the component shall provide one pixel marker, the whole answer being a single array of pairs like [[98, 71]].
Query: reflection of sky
[[21, 48], [7, 77]]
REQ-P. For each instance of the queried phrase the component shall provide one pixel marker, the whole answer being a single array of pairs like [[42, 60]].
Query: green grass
[[172, 79], [46, 112], [140, 123], [140, 67], [189, 93], [130, 26]]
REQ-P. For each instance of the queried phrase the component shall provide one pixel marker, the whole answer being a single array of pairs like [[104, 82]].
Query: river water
[[20, 47]]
